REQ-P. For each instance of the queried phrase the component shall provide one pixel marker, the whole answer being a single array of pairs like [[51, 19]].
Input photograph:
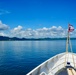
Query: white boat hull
[[54, 64]]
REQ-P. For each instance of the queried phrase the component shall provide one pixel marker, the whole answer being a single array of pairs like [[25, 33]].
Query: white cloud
[[3, 26], [4, 12], [51, 32], [3, 34], [16, 31]]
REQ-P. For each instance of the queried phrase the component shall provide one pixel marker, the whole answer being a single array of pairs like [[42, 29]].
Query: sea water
[[20, 57]]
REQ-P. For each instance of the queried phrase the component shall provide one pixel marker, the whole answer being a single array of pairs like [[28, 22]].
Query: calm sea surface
[[20, 57]]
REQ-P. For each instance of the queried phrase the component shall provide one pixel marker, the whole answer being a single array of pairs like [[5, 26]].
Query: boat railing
[[55, 69]]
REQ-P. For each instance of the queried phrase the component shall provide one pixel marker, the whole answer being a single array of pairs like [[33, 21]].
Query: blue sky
[[37, 14]]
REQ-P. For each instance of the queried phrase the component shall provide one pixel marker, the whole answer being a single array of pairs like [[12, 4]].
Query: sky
[[37, 18]]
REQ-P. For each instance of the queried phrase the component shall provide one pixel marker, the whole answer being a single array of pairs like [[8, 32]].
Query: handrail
[[58, 66]]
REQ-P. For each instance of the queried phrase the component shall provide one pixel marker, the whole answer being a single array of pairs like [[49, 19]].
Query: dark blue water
[[20, 57]]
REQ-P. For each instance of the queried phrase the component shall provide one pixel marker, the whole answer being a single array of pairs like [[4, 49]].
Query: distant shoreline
[[4, 38]]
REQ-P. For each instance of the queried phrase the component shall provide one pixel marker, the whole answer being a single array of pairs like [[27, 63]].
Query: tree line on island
[[5, 38]]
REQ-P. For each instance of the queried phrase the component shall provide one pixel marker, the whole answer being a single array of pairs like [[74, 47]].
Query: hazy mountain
[[5, 38]]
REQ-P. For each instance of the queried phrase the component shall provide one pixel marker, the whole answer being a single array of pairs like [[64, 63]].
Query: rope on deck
[[71, 71]]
